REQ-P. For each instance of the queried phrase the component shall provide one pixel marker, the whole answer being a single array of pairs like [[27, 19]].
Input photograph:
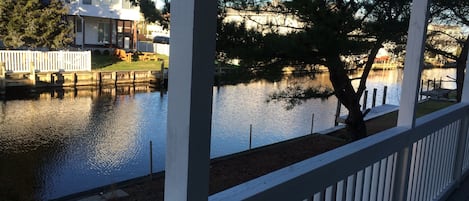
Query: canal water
[[66, 141]]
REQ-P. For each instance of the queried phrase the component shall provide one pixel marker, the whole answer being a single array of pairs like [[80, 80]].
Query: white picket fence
[[153, 47], [45, 61]]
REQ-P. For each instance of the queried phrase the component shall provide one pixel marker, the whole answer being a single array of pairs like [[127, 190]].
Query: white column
[[193, 29], [416, 37], [465, 92], [413, 63]]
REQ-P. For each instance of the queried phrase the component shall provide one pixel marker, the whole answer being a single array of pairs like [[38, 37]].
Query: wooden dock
[[78, 79], [374, 112], [438, 94]]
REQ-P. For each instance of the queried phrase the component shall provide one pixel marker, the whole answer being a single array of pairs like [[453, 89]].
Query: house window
[[88, 2], [103, 33], [79, 25]]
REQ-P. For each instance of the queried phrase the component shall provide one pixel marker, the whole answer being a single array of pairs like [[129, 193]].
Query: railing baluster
[[351, 185], [424, 169], [430, 167], [366, 184], [328, 193], [436, 162], [382, 179], [317, 197], [341, 191], [359, 186], [446, 143], [416, 170], [466, 150], [374, 181]]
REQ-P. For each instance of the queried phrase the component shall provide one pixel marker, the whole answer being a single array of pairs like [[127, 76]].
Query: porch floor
[[461, 193]]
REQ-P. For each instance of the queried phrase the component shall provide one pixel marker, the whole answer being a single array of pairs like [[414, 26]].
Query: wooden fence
[[45, 61]]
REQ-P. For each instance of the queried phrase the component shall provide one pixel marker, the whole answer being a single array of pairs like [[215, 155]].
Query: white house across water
[[104, 23]]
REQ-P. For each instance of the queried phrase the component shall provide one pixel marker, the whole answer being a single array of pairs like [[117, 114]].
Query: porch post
[[409, 95], [83, 33], [193, 29], [465, 92], [110, 32]]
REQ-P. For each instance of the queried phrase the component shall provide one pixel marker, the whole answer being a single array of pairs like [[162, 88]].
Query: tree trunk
[[346, 94], [460, 67], [369, 64]]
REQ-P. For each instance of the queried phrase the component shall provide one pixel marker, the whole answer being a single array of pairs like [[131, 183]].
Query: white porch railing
[[47, 61], [368, 169]]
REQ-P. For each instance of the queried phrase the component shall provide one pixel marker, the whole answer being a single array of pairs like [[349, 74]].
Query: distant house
[[104, 23]]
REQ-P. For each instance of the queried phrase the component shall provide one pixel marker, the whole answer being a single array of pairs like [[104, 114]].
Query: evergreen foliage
[[34, 24], [332, 29], [151, 13], [454, 12]]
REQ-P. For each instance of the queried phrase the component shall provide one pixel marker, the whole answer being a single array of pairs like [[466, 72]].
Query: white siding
[[104, 9]]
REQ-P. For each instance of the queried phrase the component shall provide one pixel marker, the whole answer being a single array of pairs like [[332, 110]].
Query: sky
[[159, 3]]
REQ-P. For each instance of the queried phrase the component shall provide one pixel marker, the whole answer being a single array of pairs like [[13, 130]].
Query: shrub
[[96, 52]]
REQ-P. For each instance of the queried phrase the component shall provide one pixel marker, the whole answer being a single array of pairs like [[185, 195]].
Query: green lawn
[[430, 106], [111, 63]]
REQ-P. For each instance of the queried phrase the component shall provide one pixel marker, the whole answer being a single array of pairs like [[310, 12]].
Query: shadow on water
[[30, 93]]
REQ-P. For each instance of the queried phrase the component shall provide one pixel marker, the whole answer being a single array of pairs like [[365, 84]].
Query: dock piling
[[365, 99], [151, 160], [312, 123], [32, 73], [337, 113], [162, 75], [250, 136], [421, 89], [385, 93], [2, 79], [373, 104]]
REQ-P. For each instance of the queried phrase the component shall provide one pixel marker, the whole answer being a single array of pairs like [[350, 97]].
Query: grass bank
[[112, 63]]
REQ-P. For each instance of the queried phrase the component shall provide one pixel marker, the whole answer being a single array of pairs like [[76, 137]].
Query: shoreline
[[318, 143]]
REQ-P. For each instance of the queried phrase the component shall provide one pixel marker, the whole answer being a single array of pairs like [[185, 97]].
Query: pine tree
[[33, 24]]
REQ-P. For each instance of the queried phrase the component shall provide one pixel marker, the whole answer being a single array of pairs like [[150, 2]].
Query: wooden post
[[32, 73], [337, 113], [385, 94], [373, 104], [250, 136], [441, 81], [2, 79], [52, 79], [312, 123], [151, 160], [114, 77], [162, 76], [365, 99], [421, 90], [75, 80]]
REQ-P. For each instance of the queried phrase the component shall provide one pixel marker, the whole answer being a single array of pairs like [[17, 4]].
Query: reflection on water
[[65, 141]]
